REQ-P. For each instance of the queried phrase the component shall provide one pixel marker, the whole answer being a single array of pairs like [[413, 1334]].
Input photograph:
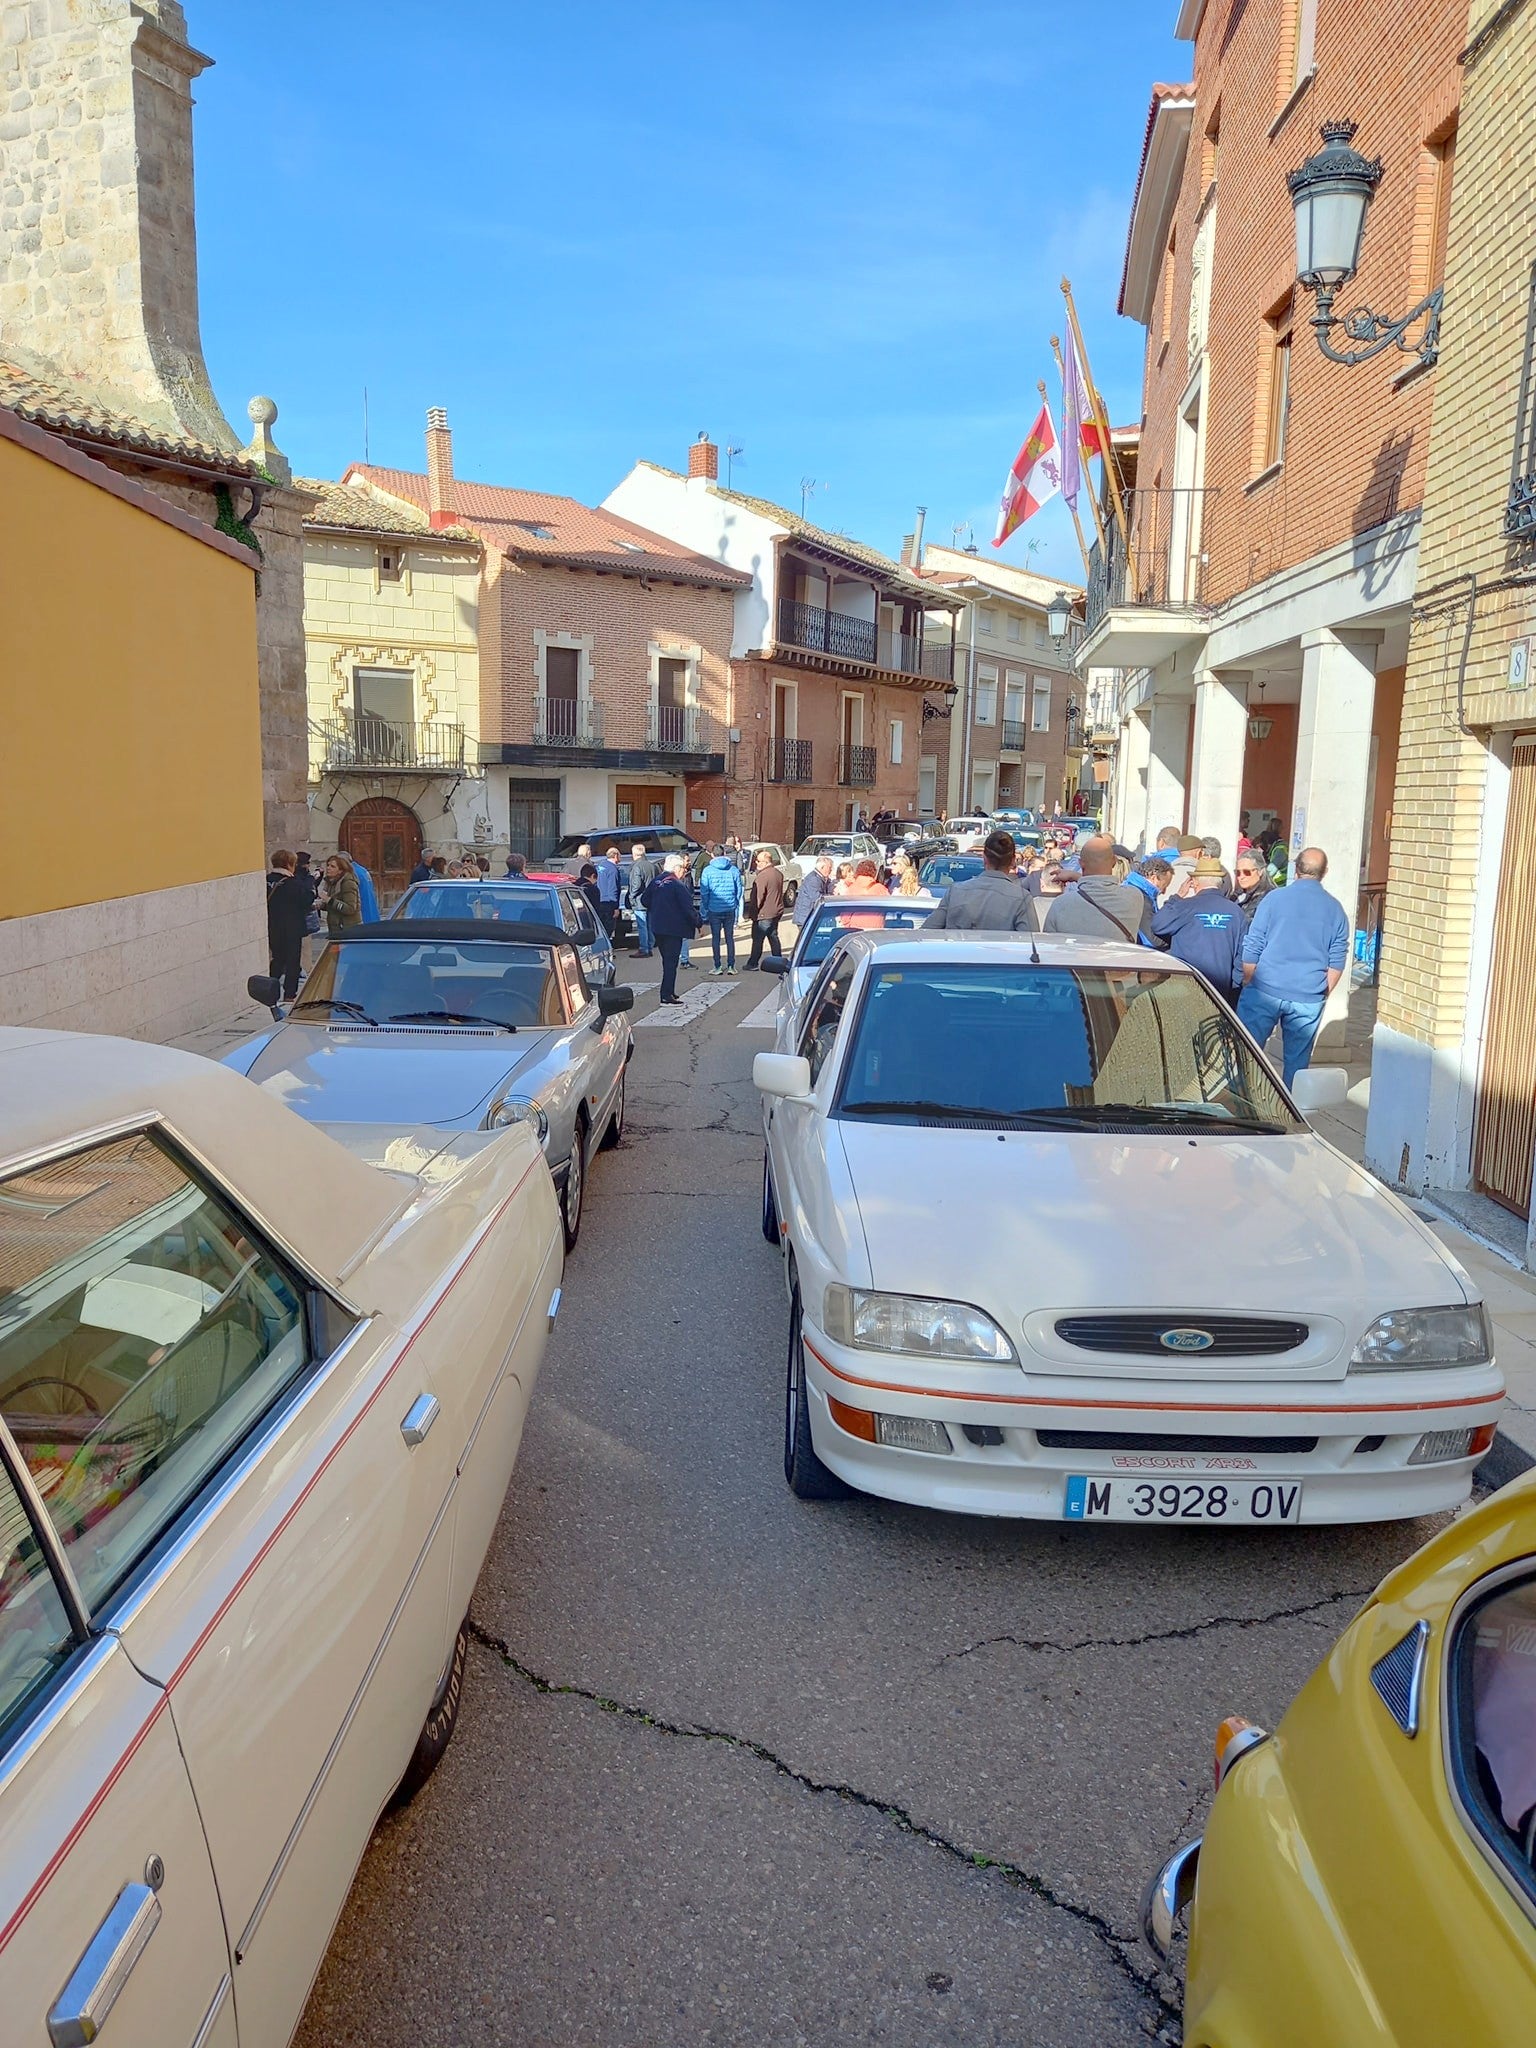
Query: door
[[672, 704], [1504, 1145], [533, 818], [386, 837], [562, 685], [650, 804], [384, 714], [805, 819]]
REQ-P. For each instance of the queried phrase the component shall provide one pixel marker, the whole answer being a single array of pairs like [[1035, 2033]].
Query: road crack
[[1185, 1633], [1118, 1947]]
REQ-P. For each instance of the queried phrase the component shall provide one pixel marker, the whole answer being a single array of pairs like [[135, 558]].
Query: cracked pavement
[[736, 1768]]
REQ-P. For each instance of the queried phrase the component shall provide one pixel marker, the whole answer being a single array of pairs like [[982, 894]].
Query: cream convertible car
[[1058, 1243], [260, 1399]]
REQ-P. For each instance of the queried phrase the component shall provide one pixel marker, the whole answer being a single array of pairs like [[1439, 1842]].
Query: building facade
[[1257, 606], [833, 648], [1453, 1082], [1016, 730]]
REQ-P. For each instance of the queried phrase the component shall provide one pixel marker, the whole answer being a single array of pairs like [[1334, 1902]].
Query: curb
[[1506, 1460]]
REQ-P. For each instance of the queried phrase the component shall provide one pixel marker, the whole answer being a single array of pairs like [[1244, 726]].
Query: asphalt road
[[736, 1768]]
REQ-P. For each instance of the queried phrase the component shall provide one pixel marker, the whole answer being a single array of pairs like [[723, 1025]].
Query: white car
[[260, 1400], [828, 922], [968, 833], [1057, 1243]]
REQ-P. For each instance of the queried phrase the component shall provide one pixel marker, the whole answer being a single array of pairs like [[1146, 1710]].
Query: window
[[1492, 1736], [387, 983], [983, 785], [35, 1634], [1210, 149], [1298, 45], [1520, 513], [986, 694], [1042, 638], [1165, 330], [1432, 219], [1015, 628], [826, 1014], [898, 740], [562, 672], [389, 565], [1274, 399], [986, 620], [1040, 706], [927, 787], [384, 693], [624, 814], [1013, 697], [146, 1332]]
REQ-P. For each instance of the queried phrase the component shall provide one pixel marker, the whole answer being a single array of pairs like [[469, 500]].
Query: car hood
[[371, 1077], [1037, 1224]]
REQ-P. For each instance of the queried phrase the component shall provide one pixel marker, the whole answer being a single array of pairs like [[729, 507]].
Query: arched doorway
[[386, 837]]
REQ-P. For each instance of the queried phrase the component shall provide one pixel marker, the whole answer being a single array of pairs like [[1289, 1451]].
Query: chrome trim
[[54, 1708], [78, 2014], [210, 2018], [15, 1467], [1418, 1636], [419, 1418], [1520, 1569], [258, 1911], [64, 1148], [1237, 1749], [554, 1306], [1167, 1896]]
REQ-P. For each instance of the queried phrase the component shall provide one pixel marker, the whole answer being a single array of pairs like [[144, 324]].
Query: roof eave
[[1187, 26], [1157, 193], [653, 570]]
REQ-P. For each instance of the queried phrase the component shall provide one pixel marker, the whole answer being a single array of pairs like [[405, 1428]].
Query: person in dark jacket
[[1253, 883], [288, 907], [668, 903], [339, 899], [813, 891], [643, 870], [1206, 928], [609, 889], [765, 906], [586, 881], [422, 872]]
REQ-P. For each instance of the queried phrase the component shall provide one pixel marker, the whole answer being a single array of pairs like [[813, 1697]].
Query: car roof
[[1055, 949], [415, 931]]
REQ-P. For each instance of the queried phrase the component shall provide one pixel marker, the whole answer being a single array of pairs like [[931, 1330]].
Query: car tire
[[442, 1719], [614, 1135], [574, 1194], [808, 1478], [770, 1206], [791, 891]]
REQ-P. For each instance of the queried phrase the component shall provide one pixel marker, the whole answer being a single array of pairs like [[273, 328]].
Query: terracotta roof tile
[[536, 525], [355, 509], [64, 405]]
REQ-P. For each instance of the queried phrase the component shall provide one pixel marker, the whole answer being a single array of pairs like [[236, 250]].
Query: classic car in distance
[[260, 1400], [1368, 1872], [838, 847], [534, 899], [457, 1024], [1290, 1344]]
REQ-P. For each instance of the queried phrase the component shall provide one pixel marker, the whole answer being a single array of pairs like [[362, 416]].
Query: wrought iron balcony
[[1013, 735], [856, 767], [1520, 513], [359, 739], [1165, 565], [567, 722], [824, 632], [789, 760], [676, 729]]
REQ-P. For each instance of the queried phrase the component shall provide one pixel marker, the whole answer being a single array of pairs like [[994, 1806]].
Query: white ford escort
[[1058, 1243]]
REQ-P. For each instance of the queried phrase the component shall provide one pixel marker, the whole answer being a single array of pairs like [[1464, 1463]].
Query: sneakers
[[731, 972], [716, 972]]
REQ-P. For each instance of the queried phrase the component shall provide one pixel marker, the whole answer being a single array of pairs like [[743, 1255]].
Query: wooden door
[[649, 803], [1505, 1144], [386, 838]]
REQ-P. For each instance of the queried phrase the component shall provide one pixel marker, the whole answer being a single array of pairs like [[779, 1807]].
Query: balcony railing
[[789, 760], [856, 767], [567, 722], [1165, 565], [1520, 513], [1013, 735], [824, 632], [358, 739], [676, 729]]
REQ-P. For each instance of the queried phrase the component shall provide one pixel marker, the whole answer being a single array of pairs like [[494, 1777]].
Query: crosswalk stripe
[[765, 1016], [694, 1003]]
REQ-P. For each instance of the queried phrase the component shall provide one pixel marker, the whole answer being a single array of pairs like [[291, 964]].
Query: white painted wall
[[686, 510]]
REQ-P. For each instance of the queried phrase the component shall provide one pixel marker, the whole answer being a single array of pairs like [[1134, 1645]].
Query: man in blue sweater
[[1293, 956]]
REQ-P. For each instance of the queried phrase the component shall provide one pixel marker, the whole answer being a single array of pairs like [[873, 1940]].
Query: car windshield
[[376, 981], [947, 868], [496, 901], [834, 843], [858, 914], [1088, 1048]]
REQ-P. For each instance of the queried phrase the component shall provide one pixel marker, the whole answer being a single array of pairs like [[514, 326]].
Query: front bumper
[[1169, 1893], [1356, 1470]]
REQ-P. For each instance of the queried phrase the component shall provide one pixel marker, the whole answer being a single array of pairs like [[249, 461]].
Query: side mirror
[[610, 1001], [774, 963], [1316, 1088], [782, 1073], [268, 990]]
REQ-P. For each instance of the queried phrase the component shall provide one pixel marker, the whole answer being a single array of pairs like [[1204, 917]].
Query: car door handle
[[80, 2011], [419, 1418]]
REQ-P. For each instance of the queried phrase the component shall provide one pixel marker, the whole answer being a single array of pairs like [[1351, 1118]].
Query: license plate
[[1123, 1499]]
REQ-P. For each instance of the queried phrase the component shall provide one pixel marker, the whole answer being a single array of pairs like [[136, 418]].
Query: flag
[[1073, 413], [1034, 478]]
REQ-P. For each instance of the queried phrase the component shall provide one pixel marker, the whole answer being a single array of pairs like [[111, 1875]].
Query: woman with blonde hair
[[907, 883]]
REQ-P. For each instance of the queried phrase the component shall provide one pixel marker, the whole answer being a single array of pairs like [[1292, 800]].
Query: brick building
[[603, 656], [1014, 736], [833, 648], [1453, 1085], [1259, 615]]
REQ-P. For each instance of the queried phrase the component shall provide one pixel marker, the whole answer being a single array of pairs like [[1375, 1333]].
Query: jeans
[[722, 924], [1298, 1023], [669, 945], [765, 931], [286, 964], [643, 946]]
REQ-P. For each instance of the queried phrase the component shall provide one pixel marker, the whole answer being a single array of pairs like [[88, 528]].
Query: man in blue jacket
[[1206, 928], [720, 892], [1293, 956]]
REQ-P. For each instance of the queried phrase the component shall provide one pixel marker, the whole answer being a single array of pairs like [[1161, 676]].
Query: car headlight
[[912, 1323], [1407, 1339], [512, 1109]]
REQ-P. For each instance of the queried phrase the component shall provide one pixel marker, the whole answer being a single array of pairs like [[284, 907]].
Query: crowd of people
[[301, 900]]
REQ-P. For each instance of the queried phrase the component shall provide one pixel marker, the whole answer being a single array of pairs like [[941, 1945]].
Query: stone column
[[1168, 751], [1216, 774], [1333, 762], [1129, 821]]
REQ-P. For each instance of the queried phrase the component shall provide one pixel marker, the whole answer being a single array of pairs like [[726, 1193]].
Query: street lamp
[[1331, 194], [931, 710], [1058, 616]]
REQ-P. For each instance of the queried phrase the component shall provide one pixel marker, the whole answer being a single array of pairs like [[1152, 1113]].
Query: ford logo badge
[[1186, 1340]]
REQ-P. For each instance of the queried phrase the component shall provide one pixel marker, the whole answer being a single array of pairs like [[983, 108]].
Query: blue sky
[[831, 233]]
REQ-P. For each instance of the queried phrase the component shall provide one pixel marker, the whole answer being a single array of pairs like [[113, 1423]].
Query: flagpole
[[1106, 449], [1093, 504]]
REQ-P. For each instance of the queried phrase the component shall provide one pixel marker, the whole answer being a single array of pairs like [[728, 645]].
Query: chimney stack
[[917, 537], [703, 458], [439, 467]]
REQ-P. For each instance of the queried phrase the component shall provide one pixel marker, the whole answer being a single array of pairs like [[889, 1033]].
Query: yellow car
[[1368, 1876]]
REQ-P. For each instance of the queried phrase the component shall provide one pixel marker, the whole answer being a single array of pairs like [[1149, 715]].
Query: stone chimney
[[439, 467], [703, 458], [96, 209]]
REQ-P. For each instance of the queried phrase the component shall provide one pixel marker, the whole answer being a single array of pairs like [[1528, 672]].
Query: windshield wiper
[[968, 1112], [1066, 1118], [333, 1003], [446, 1017], [1156, 1114]]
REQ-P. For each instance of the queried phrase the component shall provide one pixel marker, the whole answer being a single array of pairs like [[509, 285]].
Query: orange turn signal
[[1482, 1439], [856, 1421], [1234, 1738]]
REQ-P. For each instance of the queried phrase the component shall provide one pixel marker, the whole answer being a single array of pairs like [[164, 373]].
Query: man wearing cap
[[1201, 925]]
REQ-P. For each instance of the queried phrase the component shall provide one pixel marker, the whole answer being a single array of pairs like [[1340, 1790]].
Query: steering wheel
[[68, 1399]]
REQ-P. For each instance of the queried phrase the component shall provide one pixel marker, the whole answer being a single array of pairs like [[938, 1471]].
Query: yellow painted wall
[[130, 750]]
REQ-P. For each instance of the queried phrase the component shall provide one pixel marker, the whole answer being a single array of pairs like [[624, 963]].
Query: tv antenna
[[808, 486], [733, 454]]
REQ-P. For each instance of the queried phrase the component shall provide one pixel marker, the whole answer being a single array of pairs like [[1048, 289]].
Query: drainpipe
[[964, 792]]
